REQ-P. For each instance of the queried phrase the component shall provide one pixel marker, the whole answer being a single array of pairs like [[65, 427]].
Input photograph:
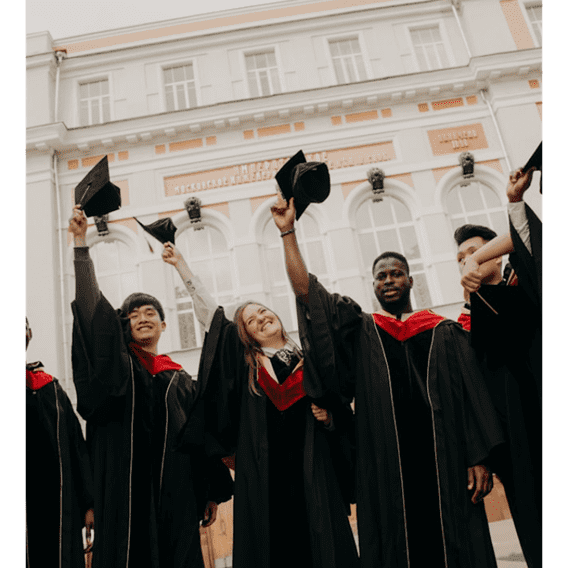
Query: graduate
[[506, 331], [59, 492], [152, 487], [292, 464], [424, 421]]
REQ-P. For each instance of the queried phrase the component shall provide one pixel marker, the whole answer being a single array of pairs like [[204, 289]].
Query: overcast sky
[[66, 18]]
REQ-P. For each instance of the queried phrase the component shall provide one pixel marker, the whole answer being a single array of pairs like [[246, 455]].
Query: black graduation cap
[[535, 161], [96, 194], [164, 230], [306, 182]]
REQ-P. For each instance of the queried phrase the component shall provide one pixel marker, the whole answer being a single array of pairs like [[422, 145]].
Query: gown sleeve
[[328, 324], [79, 456], [100, 357], [528, 263], [222, 376], [480, 421]]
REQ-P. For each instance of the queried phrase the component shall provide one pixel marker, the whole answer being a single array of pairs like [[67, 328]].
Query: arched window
[[476, 204], [388, 226], [115, 270], [313, 251], [208, 256]]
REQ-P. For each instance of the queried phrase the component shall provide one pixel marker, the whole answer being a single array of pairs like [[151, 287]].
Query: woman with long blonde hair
[[289, 437]]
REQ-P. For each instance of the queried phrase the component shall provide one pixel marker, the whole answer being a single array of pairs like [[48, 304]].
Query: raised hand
[[471, 276], [78, 226], [519, 182], [284, 214], [171, 255]]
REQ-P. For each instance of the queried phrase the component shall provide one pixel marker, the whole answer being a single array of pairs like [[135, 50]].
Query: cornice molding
[[481, 73]]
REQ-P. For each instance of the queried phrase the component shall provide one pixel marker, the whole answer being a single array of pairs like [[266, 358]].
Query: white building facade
[[212, 106]]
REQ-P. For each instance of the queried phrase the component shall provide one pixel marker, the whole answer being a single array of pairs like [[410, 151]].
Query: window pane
[[491, 198], [409, 243], [435, 34], [420, 290], [382, 214], [368, 248], [218, 243], [104, 87], [253, 87], [271, 59], [84, 90], [178, 74], [422, 63], [442, 56], [223, 275], [350, 70], [361, 68], [189, 72], [84, 113], [275, 81], [363, 216], [275, 267], [388, 241], [316, 260], [201, 268], [106, 109], [499, 222], [452, 202], [309, 227], [170, 105], [333, 48], [95, 89], [472, 198], [187, 330], [95, 112], [264, 86], [168, 75], [192, 97], [481, 219], [401, 212], [431, 57], [339, 71], [180, 93], [105, 257]]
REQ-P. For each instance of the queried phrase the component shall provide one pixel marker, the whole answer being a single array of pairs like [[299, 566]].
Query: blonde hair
[[253, 350]]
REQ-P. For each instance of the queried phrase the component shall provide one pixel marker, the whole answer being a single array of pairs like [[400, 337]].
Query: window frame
[[348, 36], [524, 8], [162, 81], [410, 27], [93, 79], [263, 49]]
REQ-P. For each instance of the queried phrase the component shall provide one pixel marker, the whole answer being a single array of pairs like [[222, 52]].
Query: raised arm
[[87, 292], [519, 182], [204, 304], [284, 215]]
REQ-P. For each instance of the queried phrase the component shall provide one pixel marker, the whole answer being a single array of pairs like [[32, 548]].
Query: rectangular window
[[347, 60], [94, 102], [534, 12], [262, 74], [179, 85], [429, 48]]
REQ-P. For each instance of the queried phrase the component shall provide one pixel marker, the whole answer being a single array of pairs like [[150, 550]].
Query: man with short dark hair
[[59, 487], [425, 423], [153, 482]]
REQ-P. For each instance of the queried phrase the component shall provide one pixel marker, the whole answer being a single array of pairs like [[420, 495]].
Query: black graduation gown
[[289, 508], [149, 493], [58, 480], [351, 355], [509, 345]]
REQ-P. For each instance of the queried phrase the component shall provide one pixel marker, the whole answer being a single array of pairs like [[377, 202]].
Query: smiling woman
[[287, 437]]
